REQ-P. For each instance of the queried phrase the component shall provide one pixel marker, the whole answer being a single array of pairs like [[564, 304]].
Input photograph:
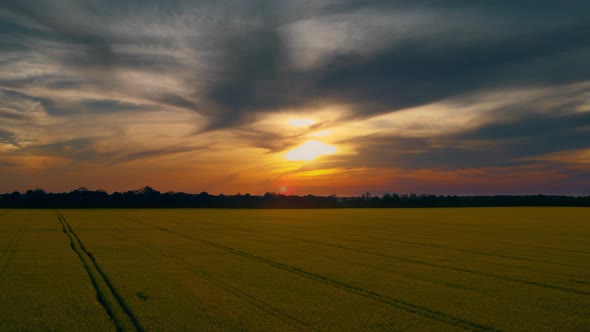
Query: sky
[[465, 97]]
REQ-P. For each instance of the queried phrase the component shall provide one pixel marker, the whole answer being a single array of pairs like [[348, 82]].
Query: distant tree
[[149, 197]]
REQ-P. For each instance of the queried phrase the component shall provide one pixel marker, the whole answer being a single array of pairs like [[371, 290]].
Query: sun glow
[[320, 133], [301, 122], [310, 150]]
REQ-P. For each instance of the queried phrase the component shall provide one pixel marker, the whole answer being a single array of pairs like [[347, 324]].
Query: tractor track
[[109, 298], [272, 311], [424, 263], [415, 309]]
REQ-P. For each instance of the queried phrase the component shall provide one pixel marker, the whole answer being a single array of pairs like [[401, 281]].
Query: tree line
[[148, 197]]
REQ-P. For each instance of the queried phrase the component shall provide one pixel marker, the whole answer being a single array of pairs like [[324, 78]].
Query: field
[[480, 269]]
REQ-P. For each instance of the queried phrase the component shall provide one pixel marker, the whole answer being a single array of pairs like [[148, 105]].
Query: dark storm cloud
[[532, 126], [42, 20], [47, 104], [533, 135], [420, 153], [146, 62], [503, 141], [109, 105], [6, 137], [83, 149], [79, 37], [400, 78], [436, 59], [252, 62], [74, 149], [9, 115], [415, 70], [50, 81], [175, 100]]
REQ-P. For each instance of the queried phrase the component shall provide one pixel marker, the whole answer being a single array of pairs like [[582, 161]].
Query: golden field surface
[[477, 269]]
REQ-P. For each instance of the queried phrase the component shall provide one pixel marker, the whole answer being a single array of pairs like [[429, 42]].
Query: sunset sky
[[301, 97]]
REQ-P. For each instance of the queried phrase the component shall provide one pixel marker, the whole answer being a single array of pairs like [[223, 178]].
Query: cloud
[[382, 61], [40, 20], [230, 60], [166, 77], [512, 134]]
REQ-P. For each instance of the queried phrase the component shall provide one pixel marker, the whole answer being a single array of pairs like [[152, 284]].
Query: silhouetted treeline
[[149, 198]]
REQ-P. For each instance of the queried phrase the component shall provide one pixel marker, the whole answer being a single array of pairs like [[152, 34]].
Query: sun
[[310, 150]]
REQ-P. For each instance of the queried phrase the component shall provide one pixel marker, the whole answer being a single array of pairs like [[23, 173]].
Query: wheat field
[[475, 269]]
